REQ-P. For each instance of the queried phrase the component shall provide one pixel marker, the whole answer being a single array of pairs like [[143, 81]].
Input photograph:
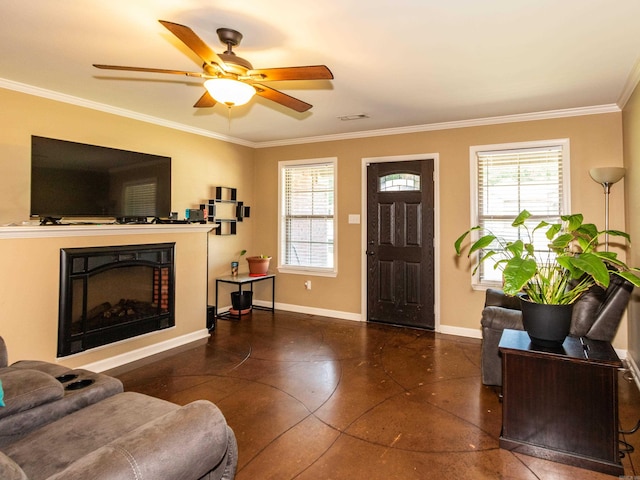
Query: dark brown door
[[400, 288]]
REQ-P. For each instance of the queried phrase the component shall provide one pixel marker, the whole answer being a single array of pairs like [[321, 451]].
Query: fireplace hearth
[[108, 294]]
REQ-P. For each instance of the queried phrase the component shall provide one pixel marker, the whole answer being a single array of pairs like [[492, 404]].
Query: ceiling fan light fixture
[[229, 91]]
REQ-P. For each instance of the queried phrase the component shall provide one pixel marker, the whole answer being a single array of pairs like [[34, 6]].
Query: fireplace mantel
[[50, 231], [29, 291]]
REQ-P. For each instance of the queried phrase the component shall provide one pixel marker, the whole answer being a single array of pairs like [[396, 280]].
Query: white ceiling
[[404, 63]]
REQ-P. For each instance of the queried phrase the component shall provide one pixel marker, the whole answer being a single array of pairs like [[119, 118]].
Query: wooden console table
[[561, 404], [243, 279]]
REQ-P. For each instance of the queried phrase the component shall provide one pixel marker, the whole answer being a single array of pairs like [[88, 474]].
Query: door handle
[[370, 253]]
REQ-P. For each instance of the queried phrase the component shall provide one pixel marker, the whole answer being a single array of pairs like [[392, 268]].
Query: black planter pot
[[547, 325], [241, 302]]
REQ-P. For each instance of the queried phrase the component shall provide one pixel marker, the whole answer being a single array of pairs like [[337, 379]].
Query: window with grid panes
[[307, 213], [510, 178]]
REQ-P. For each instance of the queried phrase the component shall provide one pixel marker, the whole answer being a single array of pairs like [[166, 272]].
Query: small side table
[[561, 404], [243, 279]]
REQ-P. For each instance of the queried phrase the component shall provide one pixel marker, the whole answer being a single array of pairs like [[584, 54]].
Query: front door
[[400, 250]]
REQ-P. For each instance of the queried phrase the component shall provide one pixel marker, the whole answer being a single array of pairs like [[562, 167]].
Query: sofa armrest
[[27, 389], [498, 318], [183, 444], [497, 298]]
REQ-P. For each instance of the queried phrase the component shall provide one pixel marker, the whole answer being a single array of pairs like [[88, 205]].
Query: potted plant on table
[[258, 265], [557, 276]]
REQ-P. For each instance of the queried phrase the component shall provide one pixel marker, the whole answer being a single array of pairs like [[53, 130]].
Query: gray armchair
[[51, 430], [596, 315]]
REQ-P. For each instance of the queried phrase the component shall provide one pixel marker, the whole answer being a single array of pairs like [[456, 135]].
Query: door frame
[[436, 228]]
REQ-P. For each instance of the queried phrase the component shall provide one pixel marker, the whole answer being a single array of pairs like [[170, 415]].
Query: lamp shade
[[229, 91], [607, 174]]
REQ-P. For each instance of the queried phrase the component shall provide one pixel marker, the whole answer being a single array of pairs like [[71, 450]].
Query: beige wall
[[631, 119], [595, 140], [199, 163]]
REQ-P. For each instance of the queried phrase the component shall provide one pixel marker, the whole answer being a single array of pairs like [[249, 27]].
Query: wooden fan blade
[[151, 70], [195, 43], [314, 72], [282, 98], [205, 101]]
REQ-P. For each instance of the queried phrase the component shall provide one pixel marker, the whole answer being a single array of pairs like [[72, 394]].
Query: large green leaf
[[516, 273], [618, 233], [572, 221], [521, 218], [593, 266], [458, 243], [553, 230], [561, 242], [515, 248], [481, 243], [631, 277]]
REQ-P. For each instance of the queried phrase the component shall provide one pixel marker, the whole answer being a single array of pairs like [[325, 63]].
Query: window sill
[[308, 271]]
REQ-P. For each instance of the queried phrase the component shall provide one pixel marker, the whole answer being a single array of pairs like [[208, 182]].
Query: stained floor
[[316, 398]]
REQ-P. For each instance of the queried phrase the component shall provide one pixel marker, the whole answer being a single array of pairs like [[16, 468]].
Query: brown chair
[[596, 315]]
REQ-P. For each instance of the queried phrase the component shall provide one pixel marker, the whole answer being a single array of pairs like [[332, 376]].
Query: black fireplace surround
[[108, 294]]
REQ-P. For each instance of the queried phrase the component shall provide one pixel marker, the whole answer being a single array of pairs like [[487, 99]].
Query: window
[[399, 182], [307, 216], [510, 178]]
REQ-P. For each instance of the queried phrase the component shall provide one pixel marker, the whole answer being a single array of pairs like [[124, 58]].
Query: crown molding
[[80, 102], [523, 117], [630, 85]]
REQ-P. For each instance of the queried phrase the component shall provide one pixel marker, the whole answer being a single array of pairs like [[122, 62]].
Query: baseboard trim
[[312, 310], [461, 331], [145, 352]]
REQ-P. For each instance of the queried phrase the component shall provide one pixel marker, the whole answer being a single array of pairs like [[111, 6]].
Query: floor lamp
[[607, 176]]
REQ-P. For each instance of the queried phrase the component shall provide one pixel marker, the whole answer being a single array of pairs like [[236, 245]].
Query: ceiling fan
[[230, 79]]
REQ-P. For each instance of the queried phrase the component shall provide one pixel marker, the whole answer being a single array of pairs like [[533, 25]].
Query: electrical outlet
[[307, 285]]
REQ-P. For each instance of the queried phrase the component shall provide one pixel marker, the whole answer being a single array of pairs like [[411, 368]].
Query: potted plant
[[559, 275], [258, 265]]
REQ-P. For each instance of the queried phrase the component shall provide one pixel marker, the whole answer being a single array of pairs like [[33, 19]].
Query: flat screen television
[[70, 179]]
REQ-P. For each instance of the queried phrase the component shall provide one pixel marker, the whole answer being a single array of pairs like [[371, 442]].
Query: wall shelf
[[226, 196]]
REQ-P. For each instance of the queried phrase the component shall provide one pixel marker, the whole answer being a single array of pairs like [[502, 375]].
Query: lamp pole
[[607, 176]]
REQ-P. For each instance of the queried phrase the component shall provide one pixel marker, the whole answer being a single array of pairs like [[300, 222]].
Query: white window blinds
[[515, 179], [307, 238]]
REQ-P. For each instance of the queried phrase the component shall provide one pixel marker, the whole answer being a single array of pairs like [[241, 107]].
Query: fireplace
[[108, 294]]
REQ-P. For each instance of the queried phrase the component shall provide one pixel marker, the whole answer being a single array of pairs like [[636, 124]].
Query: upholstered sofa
[[39, 392], [81, 425], [596, 315]]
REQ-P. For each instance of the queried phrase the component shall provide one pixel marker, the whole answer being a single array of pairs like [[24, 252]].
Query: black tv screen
[[70, 179]]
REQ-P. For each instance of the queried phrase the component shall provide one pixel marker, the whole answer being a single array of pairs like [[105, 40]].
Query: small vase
[[234, 268], [547, 325]]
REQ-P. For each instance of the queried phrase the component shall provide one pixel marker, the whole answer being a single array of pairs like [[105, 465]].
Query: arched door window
[[398, 182]]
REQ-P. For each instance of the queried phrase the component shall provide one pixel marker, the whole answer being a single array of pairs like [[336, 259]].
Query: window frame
[[478, 283], [306, 270]]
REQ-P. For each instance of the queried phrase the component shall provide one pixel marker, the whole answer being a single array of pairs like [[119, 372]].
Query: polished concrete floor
[[315, 398]]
